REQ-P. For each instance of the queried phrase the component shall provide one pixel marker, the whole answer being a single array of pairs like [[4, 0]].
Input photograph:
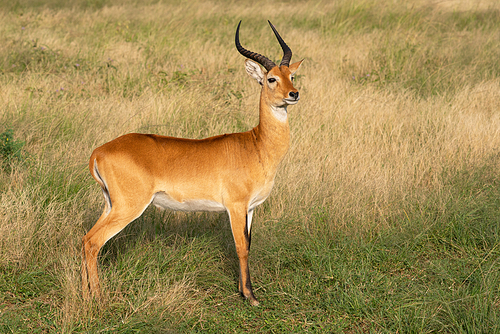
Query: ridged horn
[[287, 53], [264, 61]]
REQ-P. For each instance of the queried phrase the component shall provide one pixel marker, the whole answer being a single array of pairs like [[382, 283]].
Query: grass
[[385, 213]]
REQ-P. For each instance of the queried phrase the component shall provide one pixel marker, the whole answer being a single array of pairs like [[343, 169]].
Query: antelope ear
[[254, 70], [295, 66]]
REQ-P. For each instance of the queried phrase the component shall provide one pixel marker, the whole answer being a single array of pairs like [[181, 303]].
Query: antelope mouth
[[291, 101]]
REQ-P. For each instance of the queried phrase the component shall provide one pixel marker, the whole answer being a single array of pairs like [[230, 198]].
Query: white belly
[[164, 201], [260, 196]]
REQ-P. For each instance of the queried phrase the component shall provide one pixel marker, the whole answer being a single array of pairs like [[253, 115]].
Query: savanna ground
[[386, 210]]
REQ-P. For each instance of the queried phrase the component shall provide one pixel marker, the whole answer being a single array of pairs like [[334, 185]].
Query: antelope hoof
[[251, 298], [253, 301], [86, 294]]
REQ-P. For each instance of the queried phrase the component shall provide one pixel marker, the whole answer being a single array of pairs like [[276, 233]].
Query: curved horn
[[264, 61], [287, 53]]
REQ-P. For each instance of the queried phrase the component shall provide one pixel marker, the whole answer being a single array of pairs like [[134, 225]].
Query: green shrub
[[10, 149]]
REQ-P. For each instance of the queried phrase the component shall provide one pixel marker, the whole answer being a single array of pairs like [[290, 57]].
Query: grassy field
[[385, 216]]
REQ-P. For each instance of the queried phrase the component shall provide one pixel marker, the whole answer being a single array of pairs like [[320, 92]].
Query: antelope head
[[277, 82]]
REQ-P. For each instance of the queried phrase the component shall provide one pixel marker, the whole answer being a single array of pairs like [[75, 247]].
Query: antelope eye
[[271, 80]]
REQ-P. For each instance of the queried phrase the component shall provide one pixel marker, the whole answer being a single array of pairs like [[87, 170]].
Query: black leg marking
[[248, 283], [248, 234]]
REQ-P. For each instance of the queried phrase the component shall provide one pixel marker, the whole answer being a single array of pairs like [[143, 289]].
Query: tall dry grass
[[368, 138]]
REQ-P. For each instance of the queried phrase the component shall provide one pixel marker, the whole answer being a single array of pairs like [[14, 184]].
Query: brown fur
[[235, 170]]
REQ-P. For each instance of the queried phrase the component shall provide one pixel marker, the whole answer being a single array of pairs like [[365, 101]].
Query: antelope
[[230, 172]]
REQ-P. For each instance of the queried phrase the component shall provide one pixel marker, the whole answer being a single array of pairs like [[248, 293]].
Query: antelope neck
[[273, 132]]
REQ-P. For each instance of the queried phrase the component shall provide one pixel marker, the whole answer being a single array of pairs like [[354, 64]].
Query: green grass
[[385, 217], [435, 270]]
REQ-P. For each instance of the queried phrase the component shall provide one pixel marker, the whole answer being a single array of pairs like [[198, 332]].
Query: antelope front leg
[[241, 234]]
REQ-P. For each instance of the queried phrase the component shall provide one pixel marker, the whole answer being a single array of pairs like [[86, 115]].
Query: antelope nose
[[294, 95]]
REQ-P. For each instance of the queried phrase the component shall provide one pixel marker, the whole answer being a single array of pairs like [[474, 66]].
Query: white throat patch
[[280, 113]]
